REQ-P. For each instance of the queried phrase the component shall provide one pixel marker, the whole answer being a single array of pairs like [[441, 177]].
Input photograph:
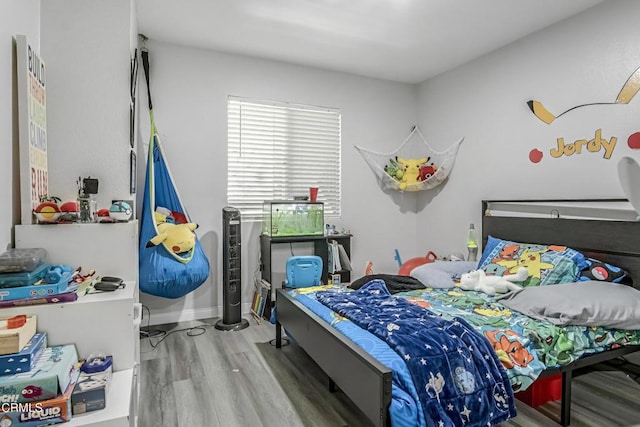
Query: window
[[278, 150]]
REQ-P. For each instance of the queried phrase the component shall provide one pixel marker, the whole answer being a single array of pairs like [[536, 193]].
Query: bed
[[368, 382]]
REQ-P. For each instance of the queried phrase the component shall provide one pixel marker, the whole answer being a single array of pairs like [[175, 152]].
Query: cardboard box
[[49, 377], [45, 412], [24, 360], [90, 392], [14, 340]]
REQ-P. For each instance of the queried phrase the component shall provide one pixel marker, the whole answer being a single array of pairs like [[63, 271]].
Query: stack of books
[[260, 298], [26, 279], [36, 381], [338, 260]]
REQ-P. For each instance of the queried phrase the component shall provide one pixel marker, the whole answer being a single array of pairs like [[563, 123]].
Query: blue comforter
[[459, 378]]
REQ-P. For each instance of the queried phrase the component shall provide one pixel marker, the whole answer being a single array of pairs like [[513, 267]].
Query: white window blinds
[[279, 150]]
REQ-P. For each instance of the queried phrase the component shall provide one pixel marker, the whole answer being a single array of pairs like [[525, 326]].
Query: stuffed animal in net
[[477, 280], [410, 170]]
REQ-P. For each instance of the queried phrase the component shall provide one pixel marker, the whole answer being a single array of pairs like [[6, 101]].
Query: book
[[260, 297], [344, 258], [334, 257]]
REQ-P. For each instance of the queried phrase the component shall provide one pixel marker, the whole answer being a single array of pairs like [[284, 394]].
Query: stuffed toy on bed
[[477, 280]]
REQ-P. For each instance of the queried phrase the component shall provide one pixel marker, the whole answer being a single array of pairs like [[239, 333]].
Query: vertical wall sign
[[32, 114]]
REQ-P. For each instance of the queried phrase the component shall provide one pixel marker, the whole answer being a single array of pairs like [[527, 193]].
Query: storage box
[[45, 412], [25, 360], [21, 259], [37, 290], [13, 280], [49, 377], [292, 218], [90, 392], [542, 391], [14, 340]]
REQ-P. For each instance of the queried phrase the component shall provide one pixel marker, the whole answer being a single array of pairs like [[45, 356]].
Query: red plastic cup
[[313, 193]]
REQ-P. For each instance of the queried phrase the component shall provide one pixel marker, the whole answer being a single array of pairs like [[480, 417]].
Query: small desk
[[319, 248]]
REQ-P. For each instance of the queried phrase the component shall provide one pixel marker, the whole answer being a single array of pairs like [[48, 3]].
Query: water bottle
[[472, 244]]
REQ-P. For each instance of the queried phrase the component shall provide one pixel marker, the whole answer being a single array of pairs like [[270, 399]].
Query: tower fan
[[231, 273]]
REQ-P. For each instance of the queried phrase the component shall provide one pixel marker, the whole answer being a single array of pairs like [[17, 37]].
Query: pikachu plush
[[411, 170]]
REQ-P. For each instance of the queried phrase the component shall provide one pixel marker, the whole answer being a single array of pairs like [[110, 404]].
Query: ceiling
[[400, 40]]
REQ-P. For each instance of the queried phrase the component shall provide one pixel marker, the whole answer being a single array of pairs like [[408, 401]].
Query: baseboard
[[159, 318]]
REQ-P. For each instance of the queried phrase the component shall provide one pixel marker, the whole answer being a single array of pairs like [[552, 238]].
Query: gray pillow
[[590, 303], [440, 274]]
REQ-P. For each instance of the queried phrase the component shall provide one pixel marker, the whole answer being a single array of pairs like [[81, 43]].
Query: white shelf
[[108, 322], [96, 323], [116, 413], [109, 249]]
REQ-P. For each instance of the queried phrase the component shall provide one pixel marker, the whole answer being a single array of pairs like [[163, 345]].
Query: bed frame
[[367, 382]]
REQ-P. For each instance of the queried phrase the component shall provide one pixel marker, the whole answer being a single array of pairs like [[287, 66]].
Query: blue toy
[[303, 271]]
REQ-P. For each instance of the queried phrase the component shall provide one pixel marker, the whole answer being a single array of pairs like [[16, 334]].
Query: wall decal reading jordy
[[627, 93], [593, 145]]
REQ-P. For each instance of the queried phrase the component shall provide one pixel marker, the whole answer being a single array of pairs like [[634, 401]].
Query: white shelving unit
[[117, 413], [108, 322]]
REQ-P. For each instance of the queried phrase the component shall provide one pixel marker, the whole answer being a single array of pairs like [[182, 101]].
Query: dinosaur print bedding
[[524, 345]]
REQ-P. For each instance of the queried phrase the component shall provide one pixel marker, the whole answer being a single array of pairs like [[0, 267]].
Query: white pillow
[[442, 274]]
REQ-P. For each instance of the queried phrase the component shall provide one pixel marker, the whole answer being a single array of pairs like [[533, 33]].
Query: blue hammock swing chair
[[162, 272]]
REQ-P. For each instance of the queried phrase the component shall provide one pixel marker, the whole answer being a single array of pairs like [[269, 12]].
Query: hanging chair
[[431, 167], [163, 272]]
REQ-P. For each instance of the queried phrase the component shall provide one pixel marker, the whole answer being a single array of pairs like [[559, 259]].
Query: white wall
[[86, 45], [190, 89], [16, 17], [584, 59]]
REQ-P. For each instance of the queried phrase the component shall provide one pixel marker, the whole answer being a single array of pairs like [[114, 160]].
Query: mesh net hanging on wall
[[414, 166]]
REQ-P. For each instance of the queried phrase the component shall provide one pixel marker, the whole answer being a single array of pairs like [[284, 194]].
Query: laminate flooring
[[238, 378]]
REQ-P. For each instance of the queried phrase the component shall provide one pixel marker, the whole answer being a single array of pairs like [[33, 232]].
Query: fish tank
[[292, 218]]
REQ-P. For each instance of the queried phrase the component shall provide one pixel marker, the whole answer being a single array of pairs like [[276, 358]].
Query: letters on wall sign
[[598, 143], [32, 114], [593, 145]]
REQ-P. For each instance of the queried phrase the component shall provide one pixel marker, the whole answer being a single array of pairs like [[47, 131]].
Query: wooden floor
[[239, 379]]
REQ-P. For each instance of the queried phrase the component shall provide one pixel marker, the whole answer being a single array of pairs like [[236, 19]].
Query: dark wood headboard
[[614, 241]]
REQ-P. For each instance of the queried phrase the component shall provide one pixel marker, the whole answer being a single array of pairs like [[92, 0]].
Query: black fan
[[231, 273]]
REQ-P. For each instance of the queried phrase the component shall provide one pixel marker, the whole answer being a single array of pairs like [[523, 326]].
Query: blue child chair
[[303, 271]]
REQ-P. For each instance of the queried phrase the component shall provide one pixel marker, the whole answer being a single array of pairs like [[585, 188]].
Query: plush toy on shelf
[[477, 280]]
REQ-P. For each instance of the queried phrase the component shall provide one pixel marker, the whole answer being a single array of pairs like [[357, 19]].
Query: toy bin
[[542, 390], [292, 218]]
